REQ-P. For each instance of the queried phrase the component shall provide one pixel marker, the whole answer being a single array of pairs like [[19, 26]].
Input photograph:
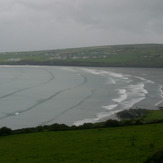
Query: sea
[[42, 95]]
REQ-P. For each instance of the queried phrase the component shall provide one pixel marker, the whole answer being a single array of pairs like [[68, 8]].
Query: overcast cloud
[[53, 24]]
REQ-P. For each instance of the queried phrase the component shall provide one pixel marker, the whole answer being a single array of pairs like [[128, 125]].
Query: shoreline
[[80, 65]]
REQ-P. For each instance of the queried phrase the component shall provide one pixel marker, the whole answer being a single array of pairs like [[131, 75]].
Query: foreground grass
[[118, 144]]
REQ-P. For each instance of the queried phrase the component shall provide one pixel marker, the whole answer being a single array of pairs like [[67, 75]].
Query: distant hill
[[135, 55]]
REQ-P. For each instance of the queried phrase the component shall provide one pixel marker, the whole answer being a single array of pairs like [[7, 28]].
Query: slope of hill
[[138, 55], [118, 144], [128, 143]]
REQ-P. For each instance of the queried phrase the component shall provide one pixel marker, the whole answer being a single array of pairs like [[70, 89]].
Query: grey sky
[[53, 24]]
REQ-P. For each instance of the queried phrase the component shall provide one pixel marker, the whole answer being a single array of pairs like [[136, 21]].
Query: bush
[[112, 123], [58, 127], [156, 157], [126, 123], [86, 126], [5, 131]]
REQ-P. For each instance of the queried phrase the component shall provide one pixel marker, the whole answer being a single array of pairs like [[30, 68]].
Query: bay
[[41, 95]]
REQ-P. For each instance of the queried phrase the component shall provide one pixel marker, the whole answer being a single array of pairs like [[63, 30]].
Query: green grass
[[153, 115], [143, 55], [120, 144]]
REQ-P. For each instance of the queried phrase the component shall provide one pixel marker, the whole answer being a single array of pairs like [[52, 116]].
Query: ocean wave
[[123, 96], [98, 117], [128, 96], [81, 122], [102, 72], [161, 91], [129, 81], [112, 76], [70, 69], [135, 93], [110, 107], [125, 78], [132, 102], [138, 89], [161, 94], [145, 80], [111, 81], [157, 104]]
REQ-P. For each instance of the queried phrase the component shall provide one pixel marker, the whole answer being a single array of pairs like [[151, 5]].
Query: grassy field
[[153, 115], [118, 144], [143, 55], [145, 116]]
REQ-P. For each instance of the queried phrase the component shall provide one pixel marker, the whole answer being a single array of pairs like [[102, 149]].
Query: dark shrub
[[111, 123], [126, 123], [58, 127], [138, 122], [5, 131], [99, 125], [86, 126], [156, 157]]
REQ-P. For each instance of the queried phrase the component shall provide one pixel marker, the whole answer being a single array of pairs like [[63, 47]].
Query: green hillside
[[120, 144], [138, 55]]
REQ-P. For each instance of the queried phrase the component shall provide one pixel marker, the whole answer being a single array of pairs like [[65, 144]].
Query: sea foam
[[110, 107], [161, 87], [133, 101], [111, 81], [136, 93], [123, 96], [98, 117], [138, 89], [161, 94], [102, 72], [145, 80]]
